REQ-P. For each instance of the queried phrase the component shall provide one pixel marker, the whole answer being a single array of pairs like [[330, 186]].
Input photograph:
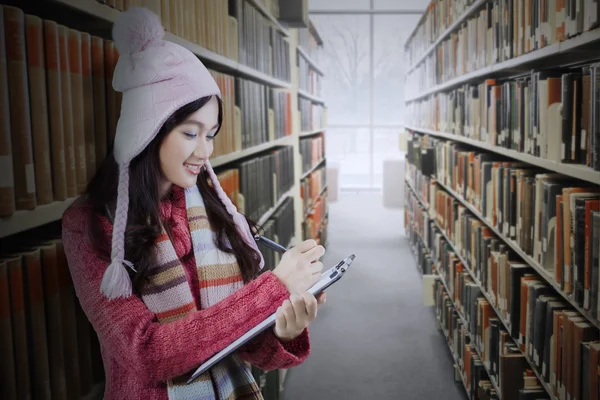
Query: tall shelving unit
[[313, 212], [96, 18], [473, 108]]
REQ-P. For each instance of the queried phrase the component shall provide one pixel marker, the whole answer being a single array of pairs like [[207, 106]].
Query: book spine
[[88, 106], [55, 113], [36, 324], [99, 100], [7, 183], [39, 109], [79, 138], [67, 110], [8, 379], [19, 326], [53, 319], [20, 111]]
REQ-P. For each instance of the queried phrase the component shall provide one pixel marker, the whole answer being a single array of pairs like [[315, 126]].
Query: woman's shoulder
[[78, 216]]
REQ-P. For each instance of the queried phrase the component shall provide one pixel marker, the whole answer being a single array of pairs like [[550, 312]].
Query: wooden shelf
[[527, 258], [272, 210], [313, 169], [314, 32], [311, 97], [444, 34], [577, 49], [323, 190], [574, 170], [231, 157], [312, 63], [109, 14], [311, 133], [27, 219]]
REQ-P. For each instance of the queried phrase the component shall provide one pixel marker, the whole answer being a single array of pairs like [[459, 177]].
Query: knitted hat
[[156, 77]]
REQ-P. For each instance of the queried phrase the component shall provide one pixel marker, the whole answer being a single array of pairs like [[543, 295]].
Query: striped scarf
[[168, 295]]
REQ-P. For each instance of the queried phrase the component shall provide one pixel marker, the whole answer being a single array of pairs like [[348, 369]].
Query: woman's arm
[[129, 331], [267, 352]]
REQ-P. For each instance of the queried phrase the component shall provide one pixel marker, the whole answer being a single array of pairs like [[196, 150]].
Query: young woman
[[164, 266]]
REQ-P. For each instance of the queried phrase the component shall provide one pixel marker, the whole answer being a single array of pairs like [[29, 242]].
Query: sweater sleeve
[[267, 352], [129, 331]]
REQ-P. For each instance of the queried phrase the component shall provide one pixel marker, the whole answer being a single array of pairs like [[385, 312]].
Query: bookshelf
[[444, 34], [580, 172], [503, 149], [311, 133], [278, 73], [469, 270], [312, 63], [311, 97]]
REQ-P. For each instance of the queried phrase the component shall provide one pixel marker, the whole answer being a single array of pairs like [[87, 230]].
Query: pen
[[270, 244]]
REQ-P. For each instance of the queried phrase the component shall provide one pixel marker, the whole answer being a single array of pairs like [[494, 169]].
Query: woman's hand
[[295, 314], [299, 267]]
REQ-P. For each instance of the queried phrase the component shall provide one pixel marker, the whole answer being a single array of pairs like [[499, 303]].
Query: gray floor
[[373, 339]]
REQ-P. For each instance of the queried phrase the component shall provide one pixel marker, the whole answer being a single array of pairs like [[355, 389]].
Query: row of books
[[516, 381], [501, 275], [310, 80], [265, 113], [499, 31], [312, 116], [312, 151], [49, 348], [550, 217], [316, 223], [515, 297], [234, 29], [508, 293], [311, 187], [256, 185], [415, 225], [280, 228], [438, 17], [477, 340], [59, 110], [548, 114]]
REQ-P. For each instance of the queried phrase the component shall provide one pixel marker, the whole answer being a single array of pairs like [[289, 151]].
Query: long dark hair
[[143, 220]]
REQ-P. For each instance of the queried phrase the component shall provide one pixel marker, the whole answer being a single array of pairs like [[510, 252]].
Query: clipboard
[[328, 278]]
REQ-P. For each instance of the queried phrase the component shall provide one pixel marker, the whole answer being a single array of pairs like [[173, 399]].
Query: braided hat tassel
[[116, 282]]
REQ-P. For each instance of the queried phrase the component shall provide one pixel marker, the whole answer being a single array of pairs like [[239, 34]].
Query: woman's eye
[[190, 135]]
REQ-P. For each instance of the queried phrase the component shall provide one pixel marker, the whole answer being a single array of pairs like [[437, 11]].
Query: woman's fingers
[[290, 314], [321, 298], [310, 303], [280, 320]]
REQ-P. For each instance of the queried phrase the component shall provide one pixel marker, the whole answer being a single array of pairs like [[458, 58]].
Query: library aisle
[[373, 338]]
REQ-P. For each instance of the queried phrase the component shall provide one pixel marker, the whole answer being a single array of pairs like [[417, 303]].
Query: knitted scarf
[[169, 296]]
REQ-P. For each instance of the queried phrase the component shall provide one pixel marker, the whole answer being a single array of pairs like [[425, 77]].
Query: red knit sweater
[[139, 354]]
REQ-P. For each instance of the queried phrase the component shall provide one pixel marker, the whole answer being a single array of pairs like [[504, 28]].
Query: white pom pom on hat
[[136, 29], [156, 78]]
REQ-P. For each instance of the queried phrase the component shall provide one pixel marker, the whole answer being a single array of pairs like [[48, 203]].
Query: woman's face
[[186, 148]]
